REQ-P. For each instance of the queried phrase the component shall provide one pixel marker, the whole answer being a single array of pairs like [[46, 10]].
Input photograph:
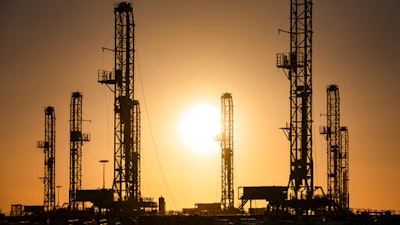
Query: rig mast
[[337, 152], [345, 199], [49, 146], [226, 139], [298, 63], [77, 138], [126, 183], [136, 151]]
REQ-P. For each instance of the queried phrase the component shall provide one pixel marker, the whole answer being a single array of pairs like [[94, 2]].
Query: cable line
[[152, 133]]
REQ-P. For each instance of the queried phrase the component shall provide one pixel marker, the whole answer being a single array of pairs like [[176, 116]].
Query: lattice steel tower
[[345, 197], [226, 139], [136, 151], [77, 138], [337, 152], [298, 65], [126, 183], [49, 148]]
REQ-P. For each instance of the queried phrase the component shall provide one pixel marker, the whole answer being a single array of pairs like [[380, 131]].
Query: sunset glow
[[188, 52], [199, 128]]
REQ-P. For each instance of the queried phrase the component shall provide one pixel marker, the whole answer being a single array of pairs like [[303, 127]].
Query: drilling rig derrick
[[298, 68], [226, 140], [337, 153], [48, 146], [126, 182], [77, 138]]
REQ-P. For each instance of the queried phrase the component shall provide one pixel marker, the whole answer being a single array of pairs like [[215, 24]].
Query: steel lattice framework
[[337, 152], [77, 138], [345, 198], [227, 197], [334, 143], [136, 150], [126, 183], [48, 146], [299, 132]]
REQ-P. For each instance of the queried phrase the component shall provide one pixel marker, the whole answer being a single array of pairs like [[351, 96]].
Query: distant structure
[[337, 153], [77, 138], [275, 196], [49, 148], [345, 200], [126, 183], [136, 156], [226, 139], [298, 69]]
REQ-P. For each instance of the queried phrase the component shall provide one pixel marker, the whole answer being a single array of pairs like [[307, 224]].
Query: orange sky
[[189, 52]]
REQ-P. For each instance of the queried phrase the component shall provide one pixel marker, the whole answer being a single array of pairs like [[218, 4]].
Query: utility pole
[[58, 195], [104, 161]]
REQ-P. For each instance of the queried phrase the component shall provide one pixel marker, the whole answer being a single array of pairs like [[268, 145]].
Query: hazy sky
[[190, 52]]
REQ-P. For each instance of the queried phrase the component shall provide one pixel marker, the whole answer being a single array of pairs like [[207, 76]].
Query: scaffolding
[[48, 146]]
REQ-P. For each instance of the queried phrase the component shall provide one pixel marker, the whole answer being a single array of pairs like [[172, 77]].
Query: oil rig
[[337, 138], [126, 183], [298, 202], [298, 63], [77, 139], [226, 140], [49, 150]]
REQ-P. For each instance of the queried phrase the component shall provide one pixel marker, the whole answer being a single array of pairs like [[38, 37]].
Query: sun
[[199, 128]]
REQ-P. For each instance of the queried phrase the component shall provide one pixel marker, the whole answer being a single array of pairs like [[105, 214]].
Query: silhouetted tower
[[337, 152], [126, 183], [77, 138], [345, 199], [49, 148], [136, 150], [298, 68], [332, 134], [226, 139]]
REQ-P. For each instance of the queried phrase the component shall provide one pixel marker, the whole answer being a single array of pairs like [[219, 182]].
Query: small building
[[204, 209]]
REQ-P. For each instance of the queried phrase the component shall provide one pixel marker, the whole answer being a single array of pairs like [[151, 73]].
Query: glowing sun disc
[[199, 128]]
